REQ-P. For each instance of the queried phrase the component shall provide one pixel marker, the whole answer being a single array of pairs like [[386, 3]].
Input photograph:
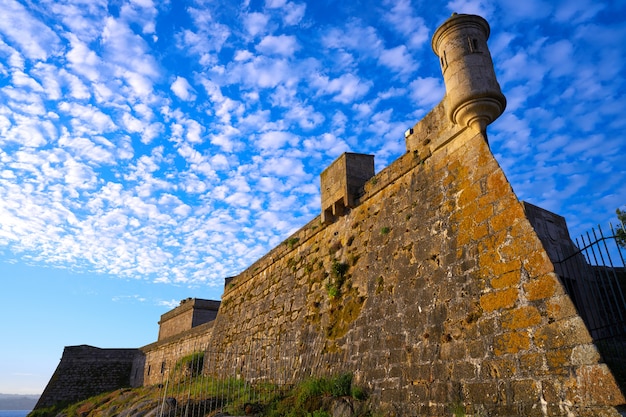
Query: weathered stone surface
[[85, 371], [595, 386], [433, 288]]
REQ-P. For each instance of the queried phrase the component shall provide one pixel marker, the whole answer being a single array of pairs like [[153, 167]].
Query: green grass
[[191, 364], [310, 398]]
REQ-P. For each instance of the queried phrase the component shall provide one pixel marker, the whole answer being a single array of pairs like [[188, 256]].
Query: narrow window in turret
[[444, 61], [163, 367], [149, 367], [473, 45]]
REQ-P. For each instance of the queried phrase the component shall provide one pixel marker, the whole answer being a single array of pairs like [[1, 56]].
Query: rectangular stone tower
[[341, 182], [190, 313]]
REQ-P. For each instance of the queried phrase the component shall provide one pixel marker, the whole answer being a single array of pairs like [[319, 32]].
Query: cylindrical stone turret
[[473, 93]]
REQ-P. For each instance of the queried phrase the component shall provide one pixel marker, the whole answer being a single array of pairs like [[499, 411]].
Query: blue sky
[[150, 149]]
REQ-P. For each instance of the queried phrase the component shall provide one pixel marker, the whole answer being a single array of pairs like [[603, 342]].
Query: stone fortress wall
[[446, 294], [427, 280], [85, 371]]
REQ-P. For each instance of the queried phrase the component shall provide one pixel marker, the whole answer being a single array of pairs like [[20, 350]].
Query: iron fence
[[594, 276], [242, 380]]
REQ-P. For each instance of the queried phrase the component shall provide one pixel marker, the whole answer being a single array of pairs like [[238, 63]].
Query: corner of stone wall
[[535, 327]]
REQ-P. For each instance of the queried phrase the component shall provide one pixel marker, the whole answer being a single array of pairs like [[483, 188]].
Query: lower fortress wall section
[[85, 371], [434, 291], [160, 358]]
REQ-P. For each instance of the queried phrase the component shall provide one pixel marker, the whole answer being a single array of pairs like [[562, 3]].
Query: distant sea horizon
[[14, 413]]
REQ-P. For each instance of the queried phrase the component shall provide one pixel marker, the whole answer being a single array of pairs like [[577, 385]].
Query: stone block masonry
[[85, 371], [158, 359], [448, 297], [430, 285], [434, 290]]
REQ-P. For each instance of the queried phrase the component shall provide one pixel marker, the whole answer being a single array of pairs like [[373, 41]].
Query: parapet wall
[[85, 371], [434, 291], [158, 359]]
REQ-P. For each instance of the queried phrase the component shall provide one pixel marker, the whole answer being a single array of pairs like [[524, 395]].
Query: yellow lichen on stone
[[499, 299], [520, 318], [540, 288], [506, 280], [512, 342], [538, 263]]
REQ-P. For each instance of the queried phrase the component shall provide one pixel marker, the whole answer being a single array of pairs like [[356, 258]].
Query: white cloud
[[20, 79], [275, 4], [278, 45], [398, 59], [207, 37], [256, 23], [276, 140], [577, 11], [263, 72], [183, 89], [169, 304], [482, 8], [293, 13], [402, 18], [226, 138], [25, 131], [87, 118], [87, 150], [128, 53], [530, 9], [84, 19], [83, 60], [427, 92], [306, 116], [220, 162], [559, 56], [15, 59], [346, 88], [35, 40], [141, 12], [225, 107], [326, 143], [24, 102], [78, 175], [243, 55], [354, 37], [513, 133], [282, 167]]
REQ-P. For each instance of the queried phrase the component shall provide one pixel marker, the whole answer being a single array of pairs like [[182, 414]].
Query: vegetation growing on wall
[[291, 242], [337, 278], [190, 365]]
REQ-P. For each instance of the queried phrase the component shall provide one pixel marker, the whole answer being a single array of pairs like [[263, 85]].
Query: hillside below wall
[[435, 292], [85, 371]]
